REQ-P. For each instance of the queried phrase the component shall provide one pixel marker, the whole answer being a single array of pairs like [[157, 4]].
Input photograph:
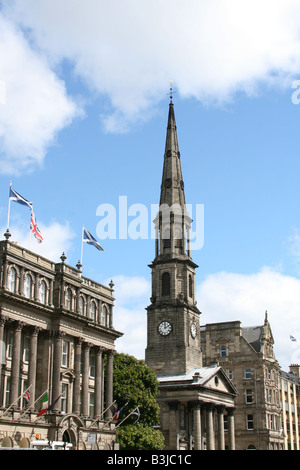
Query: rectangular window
[[92, 365], [10, 343], [7, 392], [91, 405], [65, 354], [247, 373], [250, 422], [64, 397], [26, 349], [249, 396]]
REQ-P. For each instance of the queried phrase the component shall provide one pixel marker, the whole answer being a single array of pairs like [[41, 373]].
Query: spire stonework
[[173, 344]]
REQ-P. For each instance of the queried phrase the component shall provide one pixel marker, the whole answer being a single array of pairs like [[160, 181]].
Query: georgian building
[[196, 402], [56, 337], [247, 356], [290, 405]]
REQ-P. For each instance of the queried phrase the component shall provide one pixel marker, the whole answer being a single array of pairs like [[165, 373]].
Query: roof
[[202, 373], [253, 335], [198, 377]]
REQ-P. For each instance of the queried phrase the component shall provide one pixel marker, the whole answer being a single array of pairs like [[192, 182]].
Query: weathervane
[[171, 91]]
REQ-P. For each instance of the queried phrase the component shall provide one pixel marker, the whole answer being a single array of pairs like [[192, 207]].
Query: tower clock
[[173, 319]]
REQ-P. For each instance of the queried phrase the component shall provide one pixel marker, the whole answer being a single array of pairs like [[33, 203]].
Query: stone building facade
[[196, 403], [290, 405], [56, 335], [247, 356]]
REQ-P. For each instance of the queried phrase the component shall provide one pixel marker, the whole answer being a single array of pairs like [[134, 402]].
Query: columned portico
[[197, 426], [81, 386]]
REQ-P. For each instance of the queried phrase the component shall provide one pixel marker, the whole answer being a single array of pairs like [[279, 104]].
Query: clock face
[[193, 330], [164, 328]]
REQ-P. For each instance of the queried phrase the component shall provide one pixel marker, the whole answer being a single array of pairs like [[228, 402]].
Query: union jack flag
[[34, 228], [26, 398]]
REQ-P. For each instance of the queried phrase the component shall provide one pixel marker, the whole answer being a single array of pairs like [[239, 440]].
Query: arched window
[[28, 286], [81, 305], [43, 290], [104, 315], [93, 311], [165, 284], [68, 301], [12, 280], [190, 286]]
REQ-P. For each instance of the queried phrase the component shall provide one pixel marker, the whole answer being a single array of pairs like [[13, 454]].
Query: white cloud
[[132, 296], [57, 238], [231, 296], [128, 52], [36, 105], [222, 297]]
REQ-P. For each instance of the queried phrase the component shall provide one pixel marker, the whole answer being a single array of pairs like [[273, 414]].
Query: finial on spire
[[171, 91]]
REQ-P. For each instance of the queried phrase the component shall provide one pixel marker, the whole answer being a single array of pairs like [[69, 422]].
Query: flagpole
[[112, 418], [126, 417], [22, 394], [8, 212], [29, 407], [97, 419], [81, 245]]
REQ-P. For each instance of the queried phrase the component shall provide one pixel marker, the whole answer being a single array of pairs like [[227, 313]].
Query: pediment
[[222, 340], [220, 382]]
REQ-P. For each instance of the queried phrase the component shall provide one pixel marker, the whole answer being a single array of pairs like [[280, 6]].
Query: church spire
[[172, 187], [172, 222]]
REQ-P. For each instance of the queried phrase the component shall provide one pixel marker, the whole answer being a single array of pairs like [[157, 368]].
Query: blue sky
[[83, 114]]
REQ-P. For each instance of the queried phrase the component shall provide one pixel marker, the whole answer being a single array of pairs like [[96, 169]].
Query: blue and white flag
[[136, 412], [14, 196], [88, 238], [292, 338]]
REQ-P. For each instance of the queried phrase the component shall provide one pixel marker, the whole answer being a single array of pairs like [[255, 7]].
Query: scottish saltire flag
[[88, 238], [136, 412], [34, 228], [292, 338], [14, 196]]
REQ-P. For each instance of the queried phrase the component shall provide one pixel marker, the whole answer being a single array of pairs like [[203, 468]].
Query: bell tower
[[173, 319]]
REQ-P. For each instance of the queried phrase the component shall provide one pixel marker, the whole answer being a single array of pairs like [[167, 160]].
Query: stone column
[[231, 431], [15, 368], [37, 288], [85, 379], [98, 382], [56, 383], [50, 297], [21, 282], [210, 437], [32, 365], [2, 347], [173, 431], [221, 437], [109, 382], [197, 425], [77, 371]]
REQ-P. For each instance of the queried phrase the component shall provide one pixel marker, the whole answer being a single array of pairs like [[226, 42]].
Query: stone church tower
[[194, 400], [173, 317]]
